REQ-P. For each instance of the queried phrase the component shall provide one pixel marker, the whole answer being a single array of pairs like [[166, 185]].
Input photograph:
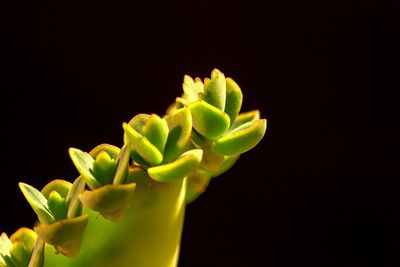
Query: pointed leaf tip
[[84, 163], [38, 203]]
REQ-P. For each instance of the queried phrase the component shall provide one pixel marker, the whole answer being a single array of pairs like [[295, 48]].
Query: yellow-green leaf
[[234, 98], [60, 186], [180, 127], [183, 166], [241, 139], [142, 145], [215, 90], [156, 131], [110, 200], [244, 117], [38, 203], [84, 163], [208, 120], [122, 165], [192, 89], [64, 235]]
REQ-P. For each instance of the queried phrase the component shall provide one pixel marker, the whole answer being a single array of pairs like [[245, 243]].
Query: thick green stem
[[148, 236]]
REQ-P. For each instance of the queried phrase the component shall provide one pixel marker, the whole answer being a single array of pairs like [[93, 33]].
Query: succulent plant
[[61, 222], [16, 251], [141, 189]]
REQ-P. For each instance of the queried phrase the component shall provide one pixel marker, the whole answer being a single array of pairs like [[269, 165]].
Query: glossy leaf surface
[[241, 139], [178, 169]]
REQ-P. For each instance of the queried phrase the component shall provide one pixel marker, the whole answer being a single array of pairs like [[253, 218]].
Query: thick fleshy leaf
[[142, 145], [104, 168], [19, 254], [110, 200], [84, 163], [198, 140], [180, 127], [60, 186], [74, 203], [209, 121], [138, 121], [122, 165], [156, 131], [64, 235], [179, 103], [5, 244], [215, 90], [234, 98], [24, 235], [241, 139], [111, 150], [138, 160], [38, 203], [57, 206], [244, 117], [183, 166], [192, 89], [7, 259]]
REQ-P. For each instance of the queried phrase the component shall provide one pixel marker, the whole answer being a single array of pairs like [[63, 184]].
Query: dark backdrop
[[321, 189]]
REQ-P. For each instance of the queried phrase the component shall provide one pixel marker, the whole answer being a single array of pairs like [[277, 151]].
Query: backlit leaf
[[183, 166], [241, 139], [38, 203], [208, 120]]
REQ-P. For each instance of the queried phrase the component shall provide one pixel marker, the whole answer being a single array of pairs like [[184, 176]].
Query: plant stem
[[148, 236]]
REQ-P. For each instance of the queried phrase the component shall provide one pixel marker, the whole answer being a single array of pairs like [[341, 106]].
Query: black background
[[321, 189]]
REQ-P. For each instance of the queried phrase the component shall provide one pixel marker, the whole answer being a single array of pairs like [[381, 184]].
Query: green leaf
[[19, 254], [64, 235], [84, 163], [192, 89], [60, 186], [74, 203], [209, 121], [24, 235], [57, 205], [156, 131], [244, 117], [110, 200], [104, 168], [111, 150], [137, 123], [183, 166], [19, 247], [234, 99], [38, 203], [122, 165], [142, 145], [5, 244], [138, 160], [198, 140], [241, 139], [215, 90], [180, 127]]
